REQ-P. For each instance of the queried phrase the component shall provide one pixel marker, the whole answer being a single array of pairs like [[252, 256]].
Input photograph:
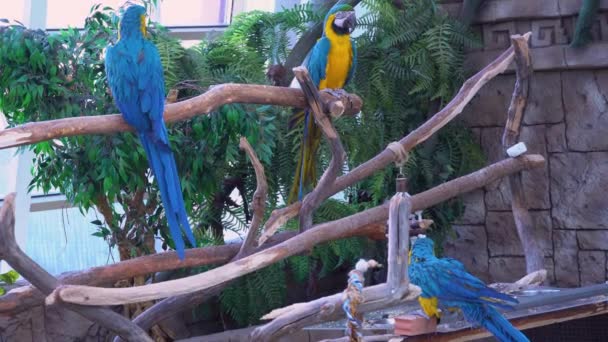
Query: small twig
[[278, 218], [217, 96], [533, 279], [45, 282], [334, 230], [515, 115], [259, 200], [338, 156]]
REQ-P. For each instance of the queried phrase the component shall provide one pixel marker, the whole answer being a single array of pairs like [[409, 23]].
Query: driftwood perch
[[217, 96], [334, 230], [45, 282], [523, 219], [397, 288], [468, 90], [338, 156], [173, 305]]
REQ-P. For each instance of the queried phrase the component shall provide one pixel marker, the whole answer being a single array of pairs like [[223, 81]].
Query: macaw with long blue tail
[[331, 64], [446, 284], [135, 76]]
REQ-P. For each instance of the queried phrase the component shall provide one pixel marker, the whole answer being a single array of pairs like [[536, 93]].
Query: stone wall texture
[[566, 121]]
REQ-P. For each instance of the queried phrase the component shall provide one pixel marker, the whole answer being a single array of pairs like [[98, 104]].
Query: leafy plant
[[8, 278]]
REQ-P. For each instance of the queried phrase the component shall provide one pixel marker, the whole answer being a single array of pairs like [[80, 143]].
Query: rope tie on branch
[[401, 155], [354, 297]]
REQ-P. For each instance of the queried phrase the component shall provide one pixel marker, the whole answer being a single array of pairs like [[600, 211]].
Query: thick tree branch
[[26, 267], [217, 96], [515, 115], [87, 295], [26, 297], [314, 199]]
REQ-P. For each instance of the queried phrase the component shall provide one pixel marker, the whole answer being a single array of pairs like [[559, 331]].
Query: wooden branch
[[294, 317], [26, 267], [174, 305], [259, 200], [396, 289], [278, 218], [25, 297], [533, 279], [468, 90], [338, 156], [398, 243], [341, 228], [217, 96], [523, 219]]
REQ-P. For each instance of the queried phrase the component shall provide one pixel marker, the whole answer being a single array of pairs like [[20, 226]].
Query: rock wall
[[566, 121]]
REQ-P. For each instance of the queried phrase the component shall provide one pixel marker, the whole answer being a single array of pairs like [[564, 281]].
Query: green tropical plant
[[6, 279]]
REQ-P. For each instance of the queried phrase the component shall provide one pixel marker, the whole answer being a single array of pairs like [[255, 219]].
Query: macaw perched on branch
[[135, 76], [445, 283], [331, 64]]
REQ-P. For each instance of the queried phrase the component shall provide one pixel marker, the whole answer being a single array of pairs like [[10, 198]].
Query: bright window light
[[194, 12], [12, 10], [261, 5], [70, 13]]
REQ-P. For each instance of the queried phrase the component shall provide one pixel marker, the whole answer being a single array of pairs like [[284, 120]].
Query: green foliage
[[8, 278], [409, 66]]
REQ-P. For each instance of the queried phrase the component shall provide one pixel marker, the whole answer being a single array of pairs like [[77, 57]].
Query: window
[[195, 12], [60, 240], [70, 13], [12, 10]]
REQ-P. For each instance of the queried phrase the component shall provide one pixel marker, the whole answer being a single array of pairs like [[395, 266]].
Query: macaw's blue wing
[[135, 76], [447, 280], [317, 64]]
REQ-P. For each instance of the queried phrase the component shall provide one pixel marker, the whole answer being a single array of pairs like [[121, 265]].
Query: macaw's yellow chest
[[339, 61]]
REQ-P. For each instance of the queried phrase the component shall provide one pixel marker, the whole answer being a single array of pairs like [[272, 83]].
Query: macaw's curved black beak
[[345, 22]]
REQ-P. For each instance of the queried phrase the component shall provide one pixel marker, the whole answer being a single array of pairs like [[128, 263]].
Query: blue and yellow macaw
[[446, 284], [331, 64], [135, 76]]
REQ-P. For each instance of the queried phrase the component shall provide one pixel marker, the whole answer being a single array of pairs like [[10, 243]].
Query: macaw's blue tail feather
[[163, 166], [493, 321]]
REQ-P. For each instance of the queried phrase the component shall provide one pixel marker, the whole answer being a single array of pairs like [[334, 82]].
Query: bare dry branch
[[25, 297], [294, 317], [468, 90], [523, 219], [26, 267], [314, 199], [259, 200], [87, 295], [279, 217], [217, 96], [396, 289]]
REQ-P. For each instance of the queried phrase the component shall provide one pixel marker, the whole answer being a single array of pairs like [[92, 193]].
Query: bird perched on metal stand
[[446, 284], [135, 76]]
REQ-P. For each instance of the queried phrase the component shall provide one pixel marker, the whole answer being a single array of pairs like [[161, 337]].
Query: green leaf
[[9, 277]]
